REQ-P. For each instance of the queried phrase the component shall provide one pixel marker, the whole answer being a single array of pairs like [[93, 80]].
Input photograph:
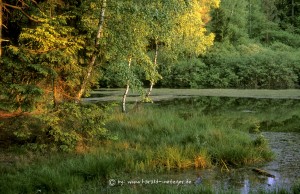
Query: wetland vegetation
[[232, 68], [158, 141]]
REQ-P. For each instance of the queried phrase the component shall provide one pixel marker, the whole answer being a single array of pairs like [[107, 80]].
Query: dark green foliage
[[44, 54], [243, 66], [118, 73], [64, 128], [296, 188], [229, 21], [45, 62], [266, 69], [260, 141], [284, 37], [19, 89], [256, 46], [289, 124], [185, 74]]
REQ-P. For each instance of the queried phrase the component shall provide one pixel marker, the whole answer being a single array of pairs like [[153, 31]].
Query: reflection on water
[[285, 167]]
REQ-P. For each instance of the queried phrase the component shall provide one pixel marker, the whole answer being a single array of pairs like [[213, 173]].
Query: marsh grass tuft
[[179, 141]]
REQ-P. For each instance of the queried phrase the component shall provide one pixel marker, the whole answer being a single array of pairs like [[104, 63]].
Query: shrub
[[64, 128]]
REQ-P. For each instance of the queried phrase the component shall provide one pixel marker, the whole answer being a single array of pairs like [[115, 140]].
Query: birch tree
[[191, 36], [92, 61], [126, 41], [180, 27], [161, 22]]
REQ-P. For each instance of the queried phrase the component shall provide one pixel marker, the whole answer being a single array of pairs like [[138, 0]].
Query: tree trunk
[[293, 9], [124, 98], [250, 19], [150, 89], [54, 92], [94, 56], [126, 91], [86, 78], [155, 63], [1, 13]]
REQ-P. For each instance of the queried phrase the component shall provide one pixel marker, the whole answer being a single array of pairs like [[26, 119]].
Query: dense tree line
[[256, 46], [54, 51]]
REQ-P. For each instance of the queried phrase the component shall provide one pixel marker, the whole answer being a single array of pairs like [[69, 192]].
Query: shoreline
[[159, 94]]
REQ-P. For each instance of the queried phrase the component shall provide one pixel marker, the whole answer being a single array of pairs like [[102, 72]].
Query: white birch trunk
[[155, 63], [126, 91], [150, 89], [94, 56]]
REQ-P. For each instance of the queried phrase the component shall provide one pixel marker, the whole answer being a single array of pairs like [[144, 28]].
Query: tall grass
[[189, 135], [150, 140]]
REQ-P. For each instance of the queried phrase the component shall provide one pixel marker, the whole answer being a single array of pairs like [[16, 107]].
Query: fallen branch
[[224, 164], [262, 172]]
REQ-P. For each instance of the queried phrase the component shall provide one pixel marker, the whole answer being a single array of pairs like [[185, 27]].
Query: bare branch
[[22, 11], [44, 51]]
